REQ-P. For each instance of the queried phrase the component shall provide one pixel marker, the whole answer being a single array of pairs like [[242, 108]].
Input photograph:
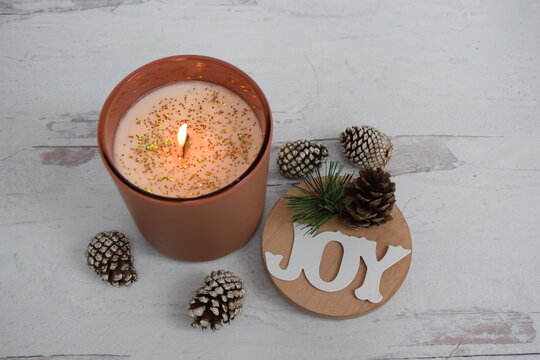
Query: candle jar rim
[[109, 163]]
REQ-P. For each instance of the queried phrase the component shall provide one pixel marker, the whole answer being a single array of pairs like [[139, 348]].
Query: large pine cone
[[366, 146], [368, 199], [218, 301], [298, 158], [109, 255]]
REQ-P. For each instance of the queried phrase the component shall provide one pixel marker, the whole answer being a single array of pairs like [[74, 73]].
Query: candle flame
[[182, 135]]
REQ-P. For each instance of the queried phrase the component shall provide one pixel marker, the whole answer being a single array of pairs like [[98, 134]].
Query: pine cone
[[109, 255], [368, 199], [218, 301], [298, 158], [366, 146]]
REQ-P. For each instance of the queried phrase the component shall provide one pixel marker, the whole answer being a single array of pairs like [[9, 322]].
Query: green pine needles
[[321, 199]]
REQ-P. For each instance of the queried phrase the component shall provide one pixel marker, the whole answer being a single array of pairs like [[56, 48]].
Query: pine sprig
[[321, 197]]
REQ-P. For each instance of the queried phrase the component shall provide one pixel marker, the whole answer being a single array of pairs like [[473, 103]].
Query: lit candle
[[187, 139]]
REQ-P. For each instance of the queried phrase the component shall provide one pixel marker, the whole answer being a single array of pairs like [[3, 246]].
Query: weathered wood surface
[[455, 82]]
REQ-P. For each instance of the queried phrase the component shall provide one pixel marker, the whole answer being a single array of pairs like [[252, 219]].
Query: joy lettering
[[307, 252]]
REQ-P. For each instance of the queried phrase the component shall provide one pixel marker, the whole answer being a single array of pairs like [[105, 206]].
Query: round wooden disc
[[278, 236]]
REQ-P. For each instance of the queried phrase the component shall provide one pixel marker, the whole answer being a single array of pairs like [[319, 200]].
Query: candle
[[187, 139]]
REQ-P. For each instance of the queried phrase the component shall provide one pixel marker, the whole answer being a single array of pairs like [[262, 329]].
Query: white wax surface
[[224, 139]]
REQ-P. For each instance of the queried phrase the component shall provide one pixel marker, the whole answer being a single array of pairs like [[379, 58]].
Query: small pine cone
[[218, 301], [109, 255], [366, 146], [298, 158], [368, 199]]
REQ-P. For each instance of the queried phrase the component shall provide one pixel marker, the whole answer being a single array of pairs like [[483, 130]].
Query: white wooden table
[[457, 83]]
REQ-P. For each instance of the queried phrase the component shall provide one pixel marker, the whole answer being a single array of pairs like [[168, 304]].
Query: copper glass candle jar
[[205, 227]]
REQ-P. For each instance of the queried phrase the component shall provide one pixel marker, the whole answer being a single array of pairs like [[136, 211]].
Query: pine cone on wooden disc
[[218, 301], [366, 146], [109, 255], [368, 199], [298, 158]]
